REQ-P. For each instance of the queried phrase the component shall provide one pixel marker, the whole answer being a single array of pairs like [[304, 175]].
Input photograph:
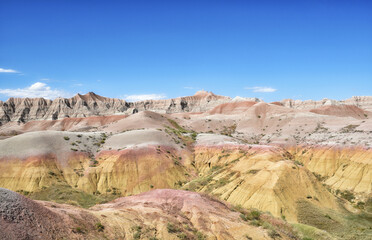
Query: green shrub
[[100, 227], [172, 228], [273, 234], [243, 216], [255, 223], [298, 163], [194, 135], [255, 215], [137, 235], [78, 230], [182, 236], [348, 195], [200, 236], [66, 138]]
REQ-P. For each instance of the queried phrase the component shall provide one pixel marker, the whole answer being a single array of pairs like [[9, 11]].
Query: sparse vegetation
[[78, 230], [228, 131], [349, 128], [172, 228], [319, 177], [137, 232], [298, 163], [100, 227], [253, 171], [63, 193], [274, 234], [188, 137], [348, 195]]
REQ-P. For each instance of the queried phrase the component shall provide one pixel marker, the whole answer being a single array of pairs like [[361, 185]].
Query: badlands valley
[[197, 167]]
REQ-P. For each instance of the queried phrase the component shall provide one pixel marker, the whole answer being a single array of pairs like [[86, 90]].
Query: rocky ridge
[[23, 110], [91, 104], [364, 102]]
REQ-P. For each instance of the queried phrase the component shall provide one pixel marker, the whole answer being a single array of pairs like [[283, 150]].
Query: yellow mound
[[260, 177]]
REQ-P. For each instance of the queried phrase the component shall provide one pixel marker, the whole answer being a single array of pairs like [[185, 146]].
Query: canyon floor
[[198, 167]]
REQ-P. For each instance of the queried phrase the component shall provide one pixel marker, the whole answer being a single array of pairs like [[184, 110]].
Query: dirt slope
[[160, 214]]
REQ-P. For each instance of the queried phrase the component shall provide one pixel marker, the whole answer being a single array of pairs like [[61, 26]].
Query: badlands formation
[[198, 167]]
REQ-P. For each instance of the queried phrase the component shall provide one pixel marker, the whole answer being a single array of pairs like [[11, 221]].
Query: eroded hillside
[[301, 165]]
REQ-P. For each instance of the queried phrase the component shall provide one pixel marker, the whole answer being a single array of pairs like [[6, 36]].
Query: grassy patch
[[137, 232], [349, 128], [207, 180], [172, 228], [63, 193], [311, 233], [188, 137], [228, 131], [341, 224]]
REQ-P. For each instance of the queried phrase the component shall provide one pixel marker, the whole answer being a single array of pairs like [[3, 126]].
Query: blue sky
[[162, 49]]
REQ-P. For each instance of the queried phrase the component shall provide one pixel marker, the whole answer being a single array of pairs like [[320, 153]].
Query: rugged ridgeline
[[364, 102], [91, 104]]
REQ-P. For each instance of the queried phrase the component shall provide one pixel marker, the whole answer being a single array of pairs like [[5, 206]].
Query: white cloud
[[262, 89], [142, 97], [188, 88], [37, 89], [77, 85], [3, 70]]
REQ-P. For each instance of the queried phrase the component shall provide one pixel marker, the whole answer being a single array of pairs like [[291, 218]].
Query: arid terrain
[[198, 167]]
